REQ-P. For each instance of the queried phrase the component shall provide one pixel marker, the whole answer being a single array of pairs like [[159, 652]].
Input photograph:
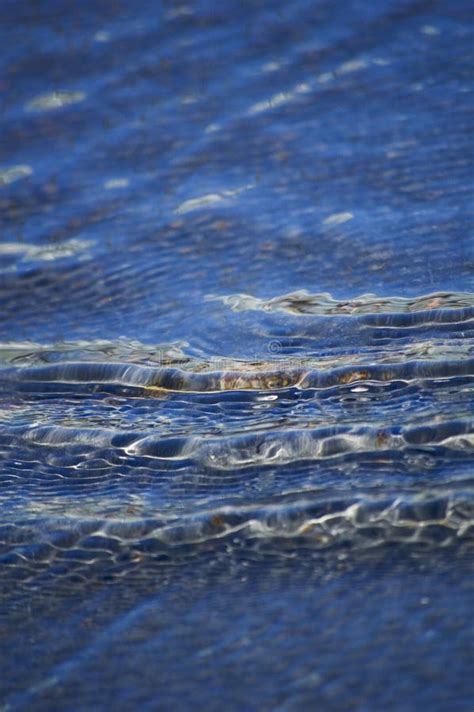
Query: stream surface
[[236, 355]]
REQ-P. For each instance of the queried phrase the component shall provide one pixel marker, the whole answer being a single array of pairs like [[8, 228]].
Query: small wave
[[437, 307], [282, 447], [261, 449], [426, 520], [270, 375]]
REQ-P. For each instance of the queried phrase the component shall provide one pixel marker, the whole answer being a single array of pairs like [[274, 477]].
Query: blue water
[[236, 355]]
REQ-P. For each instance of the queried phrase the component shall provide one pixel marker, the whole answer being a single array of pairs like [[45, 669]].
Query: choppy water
[[236, 358]]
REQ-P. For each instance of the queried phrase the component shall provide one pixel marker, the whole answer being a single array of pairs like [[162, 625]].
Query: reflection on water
[[236, 356], [56, 100]]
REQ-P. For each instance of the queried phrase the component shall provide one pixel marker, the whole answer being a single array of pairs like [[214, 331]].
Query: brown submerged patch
[[354, 376], [259, 381], [217, 521], [382, 438]]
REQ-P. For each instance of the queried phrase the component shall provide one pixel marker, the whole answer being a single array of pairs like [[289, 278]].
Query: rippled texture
[[236, 356]]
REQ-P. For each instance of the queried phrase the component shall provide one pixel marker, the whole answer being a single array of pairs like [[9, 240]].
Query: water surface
[[236, 355]]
